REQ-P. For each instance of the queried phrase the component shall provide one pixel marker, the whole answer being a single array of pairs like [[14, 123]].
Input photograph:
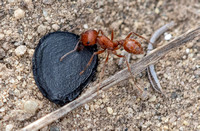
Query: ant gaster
[[92, 37]]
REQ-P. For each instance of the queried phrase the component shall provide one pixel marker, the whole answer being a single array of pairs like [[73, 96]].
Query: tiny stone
[[54, 128], [2, 53], [116, 24], [55, 26], [18, 43], [187, 51], [31, 106], [2, 109], [20, 50], [48, 2], [157, 11], [41, 29], [28, 2], [19, 13], [109, 110], [186, 123], [85, 26], [174, 95], [184, 57], [16, 92], [197, 72], [1, 36], [30, 52], [1, 103], [198, 89], [11, 1], [165, 127], [45, 13], [9, 127], [167, 36], [87, 107], [152, 99]]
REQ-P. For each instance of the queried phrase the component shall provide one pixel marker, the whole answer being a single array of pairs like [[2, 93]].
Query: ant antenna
[[75, 49]]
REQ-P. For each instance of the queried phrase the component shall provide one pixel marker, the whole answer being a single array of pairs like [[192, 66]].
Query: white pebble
[[2, 109], [1, 36], [30, 106], [87, 107], [11, 1], [41, 29], [152, 99], [28, 1], [109, 110], [19, 13], [167, 36], [187, 51], [55, 26], [9, 127], [85, 26], [48, 2], [20, 50]]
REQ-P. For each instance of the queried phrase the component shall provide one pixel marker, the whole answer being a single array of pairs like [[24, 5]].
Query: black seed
[[60, 81], [88, 42]]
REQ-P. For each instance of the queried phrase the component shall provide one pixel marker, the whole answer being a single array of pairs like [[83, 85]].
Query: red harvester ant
[[92, 37]]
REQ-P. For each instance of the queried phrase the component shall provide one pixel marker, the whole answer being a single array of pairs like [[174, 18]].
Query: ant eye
[[88, 42]]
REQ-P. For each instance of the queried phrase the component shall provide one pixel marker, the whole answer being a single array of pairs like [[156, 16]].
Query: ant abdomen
[[132, 46]]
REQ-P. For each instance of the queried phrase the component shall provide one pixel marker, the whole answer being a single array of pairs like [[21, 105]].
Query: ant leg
[[112, 35], [95, 53], [76, 47], [100, 31], [102, 72], [138, 36], [115, 53]]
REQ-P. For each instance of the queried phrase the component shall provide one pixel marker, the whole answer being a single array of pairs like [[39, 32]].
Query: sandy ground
[[24, 22]]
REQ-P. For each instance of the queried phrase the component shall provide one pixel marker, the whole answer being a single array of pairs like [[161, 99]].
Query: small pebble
[[197, 72], [31, 106], [20, 50], [19, 13], [167, 36], [55, 26], [116, 24], [165, 127], [187, 51], [11, 1], [54, 128], [87, 107], [185, 123], [198, 89], [1, 36], [152, 99], [47, 2], [9, 127], [41, 29], [2, 53], [110, 110], [174, 95], [157, 11], [85, 26], [2, 109]]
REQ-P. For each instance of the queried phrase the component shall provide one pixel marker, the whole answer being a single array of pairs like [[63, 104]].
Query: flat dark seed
[[60, 81]]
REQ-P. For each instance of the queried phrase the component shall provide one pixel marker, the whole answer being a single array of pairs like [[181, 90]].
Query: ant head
[[132, 46], [89, 37]]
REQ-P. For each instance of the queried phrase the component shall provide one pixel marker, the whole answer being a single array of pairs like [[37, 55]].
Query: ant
[[92, 37]]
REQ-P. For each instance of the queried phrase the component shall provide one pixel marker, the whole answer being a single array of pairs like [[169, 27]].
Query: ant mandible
[[92, 37]]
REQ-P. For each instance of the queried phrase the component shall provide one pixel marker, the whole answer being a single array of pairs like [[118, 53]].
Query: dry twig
[[91, 93]]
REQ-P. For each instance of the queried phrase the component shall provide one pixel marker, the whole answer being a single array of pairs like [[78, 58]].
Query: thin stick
[[136, 68], [150, 70]]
